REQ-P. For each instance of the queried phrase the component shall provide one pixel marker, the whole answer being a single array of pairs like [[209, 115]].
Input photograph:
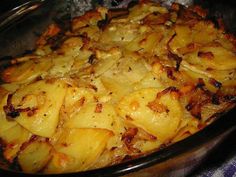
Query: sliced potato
[[42, 101], [13, 138], [94, 115], [210, 58], [117, 87], [106, 60], [85, 145], [160, 119], [27, 71], [61, 163], [76, 97], [148, 81], [5, 123], [34, 156], [147, 146], [61, 66]]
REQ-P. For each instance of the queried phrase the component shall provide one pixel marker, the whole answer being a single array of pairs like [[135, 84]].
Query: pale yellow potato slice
[[84, 145], [162, 124], [60, 66], [74, 94], [34, 156], [43, 101], [119, 79], [5, 123], [76, 97], [106, 59], [148, 81], [212, 57], [116, 86], [161, 48], [130, 70], [94, 115], [13, 138], [225, 77], [27, 71]]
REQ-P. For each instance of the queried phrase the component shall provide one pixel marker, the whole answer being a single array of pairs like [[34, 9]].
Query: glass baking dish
[[18, 33]]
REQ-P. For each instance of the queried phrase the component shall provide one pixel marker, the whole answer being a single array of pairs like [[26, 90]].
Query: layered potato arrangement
[[114, 85]]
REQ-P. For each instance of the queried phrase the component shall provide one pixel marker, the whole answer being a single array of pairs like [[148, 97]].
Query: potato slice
[[210, 57], [71, 46], [76, 97], [74, 94], [106, 59], [27, 71], [42, 101], [5, 123], [143, 9], [11, 87], [76, 143], [145, 42], [119, 33], [61, 163], [61, 66], [201, 33], [34, 156], [182, 38], [147, 146], [162, 123], [94, 115], [117, 87], [148, 81], [13, 138]]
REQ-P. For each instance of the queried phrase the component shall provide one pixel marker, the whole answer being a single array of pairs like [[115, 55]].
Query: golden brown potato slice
[[83, 145], [5, 123], [26, 71], [210, 58], [119, 33], [143, 9], [116, 87], [71, 46], [13, 138], [160, 118], [60, 66], [77, 97], [38, 105], [34, 156], [61, 163], [201, 33], [11, 87]]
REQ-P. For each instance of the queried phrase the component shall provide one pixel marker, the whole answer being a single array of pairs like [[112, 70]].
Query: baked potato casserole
[[113, 85]]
